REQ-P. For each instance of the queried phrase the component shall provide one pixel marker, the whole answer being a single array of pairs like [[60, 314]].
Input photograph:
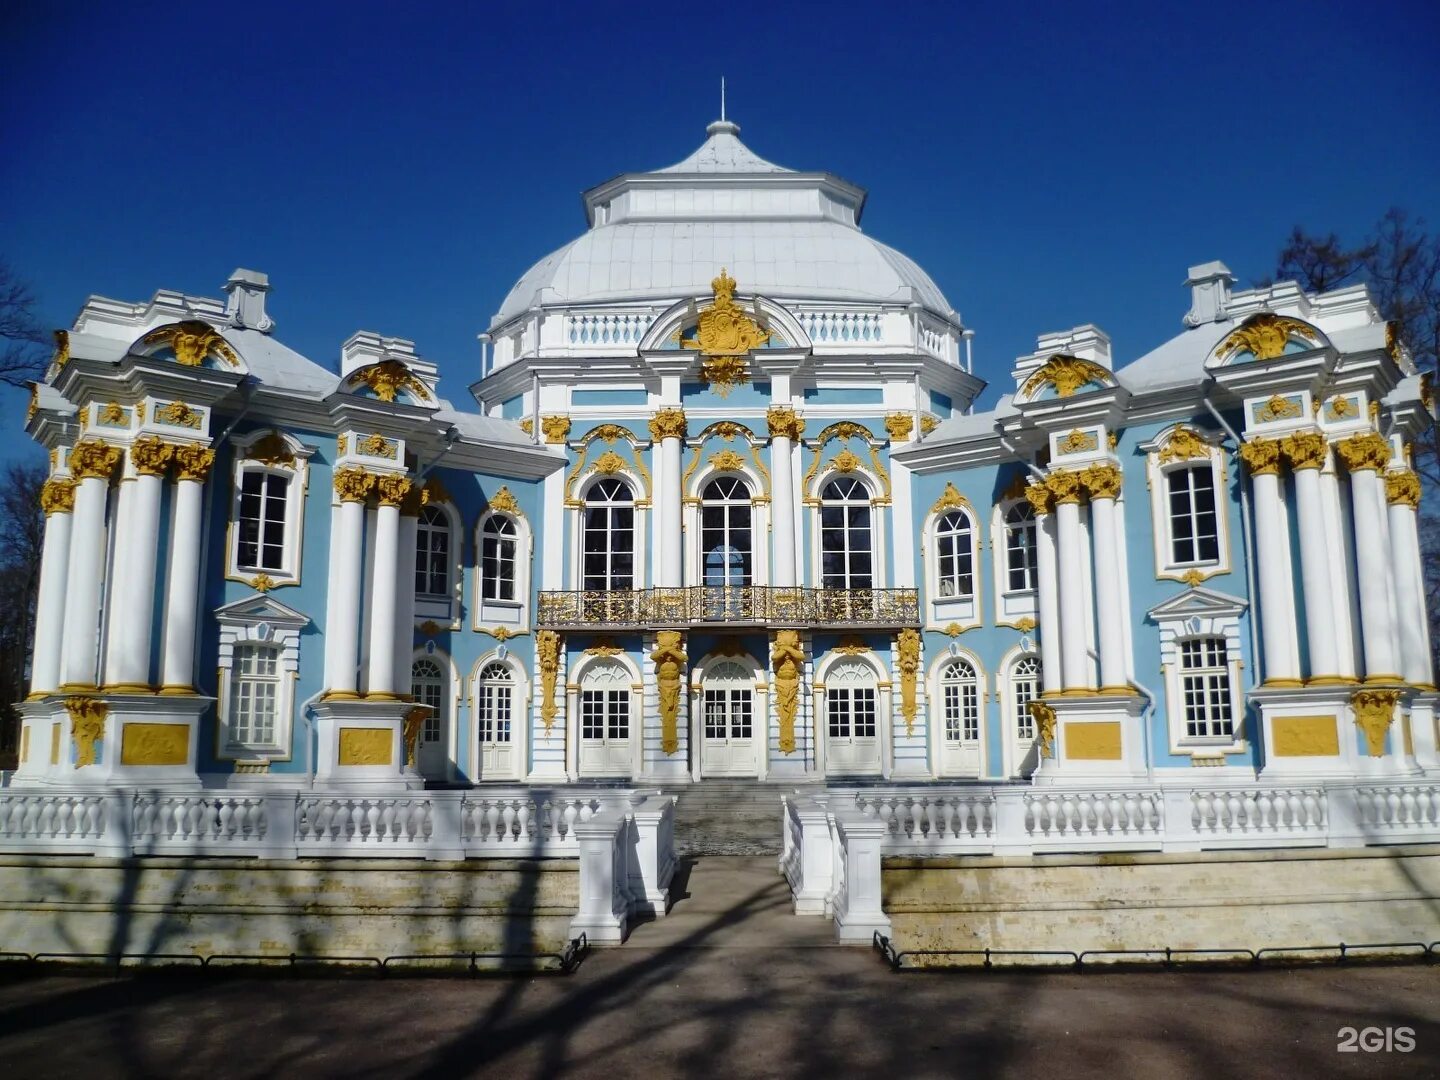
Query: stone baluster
[[390, 491], [57, 499], [1365, 456], [785, 430], [1103, 484], [352, 487], [182, 579], [1277, 631], [667, 427], [92, 463], [1306, 453], [1047, 583], [1402, 491]]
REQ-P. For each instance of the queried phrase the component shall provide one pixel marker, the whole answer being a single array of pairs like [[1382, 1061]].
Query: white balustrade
[[1264, 812], [1083, 819], [34, 821], [1399, 812], [607, 328], [841, 327], [197, 821]]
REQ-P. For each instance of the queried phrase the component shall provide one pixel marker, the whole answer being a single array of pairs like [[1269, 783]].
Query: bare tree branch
[[22, 338]]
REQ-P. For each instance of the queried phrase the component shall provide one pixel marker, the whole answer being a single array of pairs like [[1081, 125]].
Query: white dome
[[659, 237]]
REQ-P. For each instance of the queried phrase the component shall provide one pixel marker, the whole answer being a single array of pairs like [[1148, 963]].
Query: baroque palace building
[[726, 508]]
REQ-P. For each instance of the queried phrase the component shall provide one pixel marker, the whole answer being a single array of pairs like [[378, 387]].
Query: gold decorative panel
[[365, 746], [1305, 736], [155, 744], [1093, 741]]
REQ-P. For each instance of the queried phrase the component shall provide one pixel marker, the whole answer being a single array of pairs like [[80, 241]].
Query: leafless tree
[[22, 339], [22, 532]]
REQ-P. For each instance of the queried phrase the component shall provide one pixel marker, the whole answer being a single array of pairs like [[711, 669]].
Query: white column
[[131, 622], [1074, 664], [784, 427], [182, 578], [1104, 485], [1365, 455], [1047, 584], [92, 463], [384, 586], [405, 594], [1402, 489], [1306, 453], [115, 584], [668, 428], [1272, 542], [342, 620], [58, 500]]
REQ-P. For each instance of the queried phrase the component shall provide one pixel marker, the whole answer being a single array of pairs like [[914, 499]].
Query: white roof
[[723, 152]]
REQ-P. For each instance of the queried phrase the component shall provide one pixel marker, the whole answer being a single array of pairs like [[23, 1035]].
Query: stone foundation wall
[[1214, 900], [309, 906]]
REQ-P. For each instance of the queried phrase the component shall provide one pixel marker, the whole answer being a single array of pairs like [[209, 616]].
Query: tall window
[[1024, 688], [729, 694], [1020, 552], [1194, 535], [499, 543], [846, 546], [427, 687], [254, 693], [432, 554], [850, 701], [725, 535], [262, 521], [960, 701], [605, 703], [955, 548], [609, 536], [495, 703], [1205, 683]]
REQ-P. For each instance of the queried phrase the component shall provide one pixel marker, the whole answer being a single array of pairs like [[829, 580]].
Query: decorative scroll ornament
[[527, 425], [378, 446], [387, 379], [899, 425], [1025, 624], [845, 462], [1102, 481], [723, 373], [58, 496], [1044, 727], [1079, 442], [353, 485], [1184, 444], [786, 660], [504, 502], [610, 433], [1305, 450], [727, 461], [93, 460], [950, 499], [608, 464], [668, 424], [272, 449], [954, 630], [850, 645], [87, 727], [604, 647], [547, 655], [192, 342], [1066, 373], [908, 652], [391, 490], [1066, 487], [1265, 336], [669, 657], [1261, 456], [1374, 713], [178, 414], [1039, 496], [262, 583], [62, 349], [723, 328], [928, 424], [783, 423], [413, 724], [151, 456], [1278, 408], [555, 428], [1193, 578], [34, 406], [1403, 487], [193, 462], [1361, 452]]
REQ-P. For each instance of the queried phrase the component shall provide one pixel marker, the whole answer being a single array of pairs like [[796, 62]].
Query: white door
[[428, 686], [1024, 688], [851, 716], [960, 720], [495, 695], [727, 709], [605, 722]]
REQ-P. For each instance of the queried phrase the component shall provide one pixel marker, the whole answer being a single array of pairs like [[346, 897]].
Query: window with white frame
[[850, 701], [1021, 554], [1205, 687], [960, 701], [260, 524], [846, 541], [1200, 660], [259, 660], [1024, 688], [432, 555], [1186, 473], [495, 704], [955, 552], [267, 511], [499, 558], [608, 537], [1194, 525], [427, 687], [254, 695], [725, 533], [605, 703]]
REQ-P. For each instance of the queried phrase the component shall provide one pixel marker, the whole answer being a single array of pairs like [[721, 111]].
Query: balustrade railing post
[[602, 915], [1011, 837], [653, 861], [858, 911], [447, 831], [817, 858], [1177, 827], [117, 811], [1344, 824], [280, 812]]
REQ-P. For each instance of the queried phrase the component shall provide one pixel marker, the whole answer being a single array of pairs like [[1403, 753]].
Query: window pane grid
[[1194, 522], [254, 695], [1205, 688], [260, 526]]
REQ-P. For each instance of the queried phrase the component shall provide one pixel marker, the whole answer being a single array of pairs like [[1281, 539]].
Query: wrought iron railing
[[596, 609]]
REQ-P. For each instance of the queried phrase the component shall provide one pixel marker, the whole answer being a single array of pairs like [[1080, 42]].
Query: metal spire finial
[[722, 97]]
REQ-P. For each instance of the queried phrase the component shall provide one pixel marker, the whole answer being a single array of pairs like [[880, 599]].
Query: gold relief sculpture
[[178, 414], [193, 462], [271, 449], [782, 422], [555, 428], [727, 461], [610, 433], [787, 659], [378, 446], [950, 499], [1102, 481], [1261, 456], [608, 464], [1393, 348], [113, 415], [527, 425], [669, 658], [387, 379], [1040, 497], [1193, 578], [1066, 373], [151, 456], [1340, 408], [908, 658], [1079, 442], [851, 645], [93, 460], [504, 502], [1304, 450], [1427, 389], [1265, 336], [899, 425], [155, 744], [62, 349], [413, 723], [34, 406], [1403, 487], [1374, 712], [928, 423], [1025, 624], [723, 335], [342, 445], [723, 373], [262, 583], [669, 424], [1361, 452], [430, 628], [954, 629], [845, 462], [87, 727], [192, 342], [1184, 444], [55, 457], [364, 746], [604, 647], [1066, 487], [1044, 717], [1278, 407], [391, 490], [353, 485], [57, 496], [547, 656]]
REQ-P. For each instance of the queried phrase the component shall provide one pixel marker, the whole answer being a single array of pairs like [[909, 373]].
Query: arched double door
[[732, 727]]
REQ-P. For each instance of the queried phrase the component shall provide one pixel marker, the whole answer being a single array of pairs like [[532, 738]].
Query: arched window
[[955, 550], [1024, 688], [432, 555], [254, 694], [495, 704], [1021, 557], [260, 524], [605, 702], [1205, 687], [1194, 526], [499, 547], [427, 687], [728, 697], [960, 701], [608, 552], [850, 700], [846, 544], [725, 533]]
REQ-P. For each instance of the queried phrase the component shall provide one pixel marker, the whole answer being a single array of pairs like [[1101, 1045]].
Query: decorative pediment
[[1267, 336], [1196, 601], [389, 381], [254, 610], [191, 343], [1065, 376]]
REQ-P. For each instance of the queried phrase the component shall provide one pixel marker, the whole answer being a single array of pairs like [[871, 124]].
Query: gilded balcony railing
[[597, 609]]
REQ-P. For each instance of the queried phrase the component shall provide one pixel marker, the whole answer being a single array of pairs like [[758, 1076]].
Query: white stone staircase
[[730, 817]]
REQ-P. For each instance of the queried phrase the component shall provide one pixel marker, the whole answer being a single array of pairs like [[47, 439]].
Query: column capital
[[1403, 487], [58, 496], [1040, 498], [1364, 452], [668, 424], [899, 425], [353, 485], [555, 428], [1102, 481], [1261, 456], [151, 455], [783, 423], [1374, 713], [1304, 450], [1066, 487], [92, 459], [391, 489], [193, 462]]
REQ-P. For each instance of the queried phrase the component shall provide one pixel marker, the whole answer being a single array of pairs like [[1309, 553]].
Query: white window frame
[[579, 671], [1006, 687], [444, 609], [1011, 605], [936, 712], [820, 705], [1200, 613], [878, 555], [512, 614], [1158, 475], [759, 524], [520, 711], [260, 621], [297, 472], [963, 611], [639, 539]]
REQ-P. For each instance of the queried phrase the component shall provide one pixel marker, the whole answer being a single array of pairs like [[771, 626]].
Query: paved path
[[729, 985]]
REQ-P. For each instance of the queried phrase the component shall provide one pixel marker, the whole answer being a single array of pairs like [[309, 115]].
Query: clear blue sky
[[397, 168]]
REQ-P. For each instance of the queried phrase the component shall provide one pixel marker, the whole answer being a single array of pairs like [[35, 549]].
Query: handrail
[[727, 605]]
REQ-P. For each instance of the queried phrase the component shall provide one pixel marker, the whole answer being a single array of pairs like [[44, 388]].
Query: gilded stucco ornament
[[113, 415], [782, 422], [387, 379], [1040, 497], [527, 425], [413, 723], [1340, 408], [1403, 487], [1304, 450], [845, 462], [928, 423], [93, 460], [62, 349], [353, 485], [1044, 717], [87, 727], [556, 429], [1067, 374], [1102, 481], [604, 647], [504, 501], [608, 464], [950, 499], [723, 335], [723, 373], [262, 583], [151, 456], [1261, 456], [1193, 578], [1374, 713], [907, 648], [1066, 487], [435, 491], [899, 425], [391, 490], [547, 656], [193, 462], [377, 446], [727, 461], [271, 449], [669, 658], [1025, 624], [192, 342], [610, 433], [178, 414], [1278, 407], [667, 424], [1184, 444], [1427, 389], [786, 660], [851, 645], [1362, 452], [1265, 336], [1079, 442], [34, 406], [954, 630], [57, 496]]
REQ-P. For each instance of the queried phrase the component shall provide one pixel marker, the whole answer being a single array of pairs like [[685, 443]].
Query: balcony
[[755, 605]]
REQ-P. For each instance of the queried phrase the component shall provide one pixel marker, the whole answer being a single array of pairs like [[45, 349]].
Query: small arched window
[[427, 687], [725, 532], [605, 702], [432, 554], [955, 550], [495, 704], [608, 551], [1024, 688], [847, 549], [960, 701], [1021, 555], [499, 550]]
